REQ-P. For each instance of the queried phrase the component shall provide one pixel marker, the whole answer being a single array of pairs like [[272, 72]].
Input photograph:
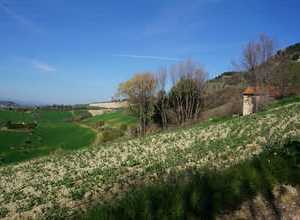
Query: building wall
[[110, 105], [248, 104]]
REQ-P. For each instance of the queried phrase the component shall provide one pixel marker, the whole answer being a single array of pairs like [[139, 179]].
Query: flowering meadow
[[60, 185]]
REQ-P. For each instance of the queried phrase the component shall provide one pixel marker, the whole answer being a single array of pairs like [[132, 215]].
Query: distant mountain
[[8, 104]]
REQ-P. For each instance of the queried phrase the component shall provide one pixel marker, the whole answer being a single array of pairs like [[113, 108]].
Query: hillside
[[7, 104], [58, 185], [227, 87]]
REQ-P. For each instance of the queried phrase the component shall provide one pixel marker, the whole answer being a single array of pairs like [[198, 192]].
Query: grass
[[15, 116], [11, 139], [58, 186], [207, 194], [113, 119], [282, 102], [54, 116], [54, 132], [111, 125]]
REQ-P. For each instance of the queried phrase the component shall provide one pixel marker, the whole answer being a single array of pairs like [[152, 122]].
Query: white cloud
[[44, 67], [147, 57]]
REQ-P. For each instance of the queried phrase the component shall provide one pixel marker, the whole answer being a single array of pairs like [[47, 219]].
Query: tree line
[[151, 101], [175, 95]]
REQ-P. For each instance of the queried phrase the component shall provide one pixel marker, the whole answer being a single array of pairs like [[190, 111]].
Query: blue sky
[[75, 51]]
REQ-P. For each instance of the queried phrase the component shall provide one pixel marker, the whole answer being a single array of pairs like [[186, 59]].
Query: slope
[[58, 185]]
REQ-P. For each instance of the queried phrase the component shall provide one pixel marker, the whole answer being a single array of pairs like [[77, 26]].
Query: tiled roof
[[270, 90], [250, 91]]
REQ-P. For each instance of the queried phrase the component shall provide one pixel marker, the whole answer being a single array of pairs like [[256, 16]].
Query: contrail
[[147, 57], [22, 20]]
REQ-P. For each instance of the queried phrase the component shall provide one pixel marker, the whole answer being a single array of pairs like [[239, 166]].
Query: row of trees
[[175, 95], [150, 99]]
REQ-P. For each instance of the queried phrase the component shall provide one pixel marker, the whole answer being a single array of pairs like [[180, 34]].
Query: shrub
[[123, 127], [99, 124], [3, 212], [133, 131], [30, 125], [295, 57], [110, 134], [11, 125], [81, 115]]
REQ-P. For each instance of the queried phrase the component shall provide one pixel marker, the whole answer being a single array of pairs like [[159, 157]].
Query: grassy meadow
[[126, 178], [54, 132], [113, 119], [111, 125]]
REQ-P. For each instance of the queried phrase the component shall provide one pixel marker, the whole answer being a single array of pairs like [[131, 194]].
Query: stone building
[[248, 101], [256, 97]]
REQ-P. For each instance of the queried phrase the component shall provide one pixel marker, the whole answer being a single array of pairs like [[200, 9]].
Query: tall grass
[[206, 194]]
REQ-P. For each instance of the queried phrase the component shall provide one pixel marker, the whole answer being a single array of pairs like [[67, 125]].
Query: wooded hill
[[226, 88]]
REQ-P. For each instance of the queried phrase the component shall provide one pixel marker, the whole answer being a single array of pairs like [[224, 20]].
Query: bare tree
[[186, 95], [256, 54], [250, 57], [161, 97], [267, 47], [161, 78]]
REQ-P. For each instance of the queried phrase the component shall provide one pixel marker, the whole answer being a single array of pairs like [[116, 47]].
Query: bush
[[99, 124], [11, 125], [295, 57], [31, 125], [133, 131], [3, 212], [110, 134], [123, 127], [81, 115]]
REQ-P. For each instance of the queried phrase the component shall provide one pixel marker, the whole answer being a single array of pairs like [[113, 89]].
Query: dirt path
[[98, 134]]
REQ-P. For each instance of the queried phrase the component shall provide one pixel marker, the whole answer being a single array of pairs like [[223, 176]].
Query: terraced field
[[60, 185]]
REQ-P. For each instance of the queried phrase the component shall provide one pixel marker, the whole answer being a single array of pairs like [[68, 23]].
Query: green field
[[247, 154], [15, 116], [113, 119], [54, 132]]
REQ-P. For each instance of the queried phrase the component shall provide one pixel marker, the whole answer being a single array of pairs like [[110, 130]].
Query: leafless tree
[[186, 95], [161, 97], [250, 57], [255, 55], [267, 47]]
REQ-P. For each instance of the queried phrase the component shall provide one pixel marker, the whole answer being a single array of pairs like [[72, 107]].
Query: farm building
[[255, 97]]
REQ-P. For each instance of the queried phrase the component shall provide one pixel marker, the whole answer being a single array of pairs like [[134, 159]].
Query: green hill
[[114, 119], [58, 186], [55, 131]]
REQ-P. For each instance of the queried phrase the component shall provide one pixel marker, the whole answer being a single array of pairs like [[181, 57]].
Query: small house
[[255, 97]]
